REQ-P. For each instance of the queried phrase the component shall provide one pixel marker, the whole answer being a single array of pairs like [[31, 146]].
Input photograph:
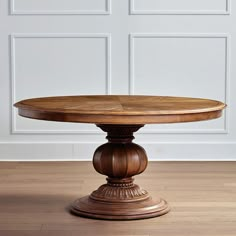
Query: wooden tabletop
[[115, 109]]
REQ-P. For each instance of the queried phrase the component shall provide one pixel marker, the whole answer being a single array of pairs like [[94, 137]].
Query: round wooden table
[[120, 159]]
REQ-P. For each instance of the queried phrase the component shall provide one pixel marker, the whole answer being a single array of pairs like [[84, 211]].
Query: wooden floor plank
[[34, 199]]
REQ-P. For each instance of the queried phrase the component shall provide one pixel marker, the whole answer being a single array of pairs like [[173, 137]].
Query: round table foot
[[88, 207]]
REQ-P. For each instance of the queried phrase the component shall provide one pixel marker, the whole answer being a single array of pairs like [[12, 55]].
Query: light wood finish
[[114, 109], [120, 159], [34, 197]]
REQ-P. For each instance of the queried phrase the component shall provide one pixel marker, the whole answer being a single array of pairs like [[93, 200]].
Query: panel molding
[[225, 130], [226, 11], [13, 37], [107, 11]]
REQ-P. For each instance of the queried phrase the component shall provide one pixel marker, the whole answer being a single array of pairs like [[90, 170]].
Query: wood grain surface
[[114, 109], [34, 197]]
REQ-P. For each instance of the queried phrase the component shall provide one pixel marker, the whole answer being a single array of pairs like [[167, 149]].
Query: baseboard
[[84, 151]]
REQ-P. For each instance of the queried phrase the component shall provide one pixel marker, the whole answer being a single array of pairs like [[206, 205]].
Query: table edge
[[119, 119]]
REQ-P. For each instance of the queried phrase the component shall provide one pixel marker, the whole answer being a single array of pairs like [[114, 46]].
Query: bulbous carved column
[[120, 159]]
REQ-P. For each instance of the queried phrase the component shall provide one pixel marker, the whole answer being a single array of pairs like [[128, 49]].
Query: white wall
[[158, 47]]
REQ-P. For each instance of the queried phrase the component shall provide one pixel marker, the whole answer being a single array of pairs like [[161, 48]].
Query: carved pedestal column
[[120, 198]]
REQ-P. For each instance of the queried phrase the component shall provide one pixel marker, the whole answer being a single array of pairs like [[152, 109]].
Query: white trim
[[14, 130], [106, 11], [227, 80], [104, 141], [173, 151], [226, 11], [225, 130], [186, 131], [50, 159]]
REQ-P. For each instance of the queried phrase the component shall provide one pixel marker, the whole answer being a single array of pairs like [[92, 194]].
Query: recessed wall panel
[[187, 66], [47, 65], [60, 7], [179, 6]]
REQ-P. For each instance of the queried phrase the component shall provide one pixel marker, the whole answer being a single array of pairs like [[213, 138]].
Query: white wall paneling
[[182, 65], [180, 7], [62, 63], [154, 47], [63, 7]]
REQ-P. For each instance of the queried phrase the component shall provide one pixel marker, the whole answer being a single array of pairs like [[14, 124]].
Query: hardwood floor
[[34, 197]]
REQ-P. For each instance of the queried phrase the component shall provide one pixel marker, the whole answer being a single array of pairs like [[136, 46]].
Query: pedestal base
[[147, 208], [120, 199]]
